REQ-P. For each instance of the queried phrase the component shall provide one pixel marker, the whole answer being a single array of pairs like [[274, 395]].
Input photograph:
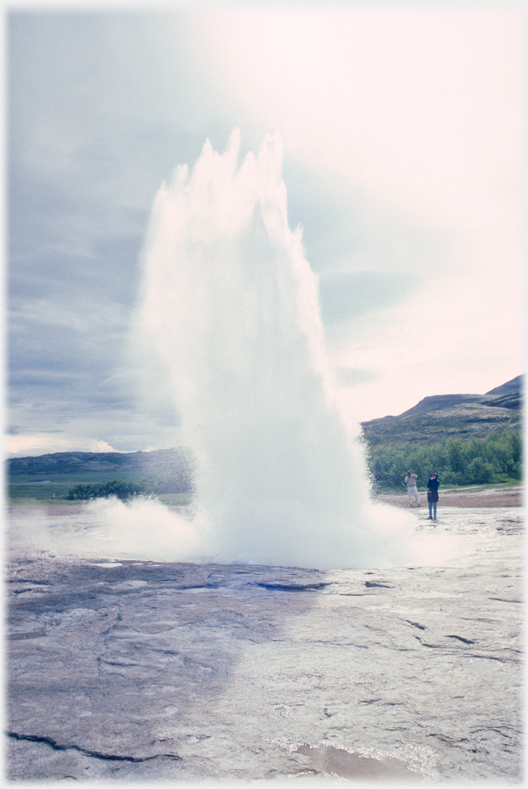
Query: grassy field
[[31, 488], [55, 486], [169, 499], [422, 488]]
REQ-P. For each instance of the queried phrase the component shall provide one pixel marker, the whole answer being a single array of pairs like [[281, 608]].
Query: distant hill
[[514, 386], [164, 471], [432, 419], [451, 416], [133, 465]]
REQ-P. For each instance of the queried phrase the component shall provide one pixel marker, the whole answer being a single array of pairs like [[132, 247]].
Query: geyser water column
[[229, 316]]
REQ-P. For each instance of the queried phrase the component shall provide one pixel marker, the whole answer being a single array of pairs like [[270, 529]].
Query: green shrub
[[122, 489]]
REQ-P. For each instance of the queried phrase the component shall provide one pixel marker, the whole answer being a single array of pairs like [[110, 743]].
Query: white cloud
[[419, 110], [419, 106], [31, 444]]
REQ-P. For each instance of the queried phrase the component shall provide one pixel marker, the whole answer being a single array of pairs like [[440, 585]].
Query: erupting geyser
[[229, 317]]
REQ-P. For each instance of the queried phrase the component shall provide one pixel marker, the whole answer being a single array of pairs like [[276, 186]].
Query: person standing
[[412, 490], [433, 484]]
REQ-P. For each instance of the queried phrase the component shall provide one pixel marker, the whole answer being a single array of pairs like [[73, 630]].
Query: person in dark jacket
[[433, 484]]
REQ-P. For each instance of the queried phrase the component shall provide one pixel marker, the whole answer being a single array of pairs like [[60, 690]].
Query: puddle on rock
[[337, 761]]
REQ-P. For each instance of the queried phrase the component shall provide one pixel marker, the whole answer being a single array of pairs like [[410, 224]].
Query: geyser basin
[[148, 671], [230, 328]]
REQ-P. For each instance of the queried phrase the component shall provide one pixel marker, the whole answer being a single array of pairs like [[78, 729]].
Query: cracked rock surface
[[140, 670]]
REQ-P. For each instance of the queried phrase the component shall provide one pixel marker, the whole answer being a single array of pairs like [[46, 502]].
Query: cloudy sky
[[402, 136]]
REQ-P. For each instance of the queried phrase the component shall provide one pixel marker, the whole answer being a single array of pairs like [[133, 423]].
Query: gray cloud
[[328, 213], [348, 376], [89, 146], [346, 296], [102, 107]]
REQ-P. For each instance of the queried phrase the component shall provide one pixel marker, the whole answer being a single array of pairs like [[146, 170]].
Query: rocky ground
[[138, 670]]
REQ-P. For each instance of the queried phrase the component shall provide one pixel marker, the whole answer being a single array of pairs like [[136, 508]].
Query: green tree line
[[122, 488], [496, 458]]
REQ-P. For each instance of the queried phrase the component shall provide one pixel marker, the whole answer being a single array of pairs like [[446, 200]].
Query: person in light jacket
[[412, 490], [433, 484]]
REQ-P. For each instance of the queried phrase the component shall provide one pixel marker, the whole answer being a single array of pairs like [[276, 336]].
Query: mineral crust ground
[[144, 671]]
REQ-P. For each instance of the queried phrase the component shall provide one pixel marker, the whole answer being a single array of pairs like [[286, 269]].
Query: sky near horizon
[[402, 133]]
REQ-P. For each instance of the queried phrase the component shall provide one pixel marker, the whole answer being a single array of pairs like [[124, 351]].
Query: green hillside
[[467, 439], [464, 416]]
